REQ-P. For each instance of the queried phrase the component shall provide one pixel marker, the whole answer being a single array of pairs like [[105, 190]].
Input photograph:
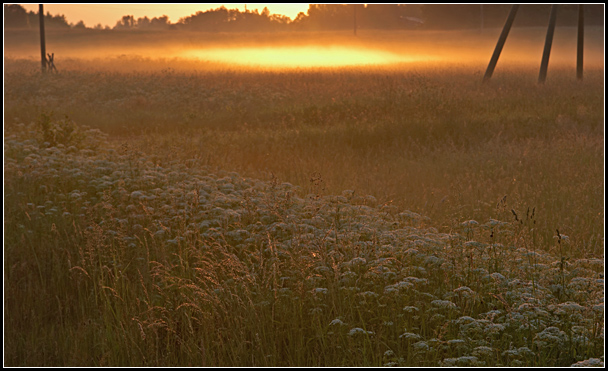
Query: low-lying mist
[[189, 50], [307, 56]]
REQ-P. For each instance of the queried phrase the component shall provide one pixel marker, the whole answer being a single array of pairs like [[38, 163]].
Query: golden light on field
[[294, 57]]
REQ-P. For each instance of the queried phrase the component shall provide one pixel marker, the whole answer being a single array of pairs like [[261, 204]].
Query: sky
[[109, 14]]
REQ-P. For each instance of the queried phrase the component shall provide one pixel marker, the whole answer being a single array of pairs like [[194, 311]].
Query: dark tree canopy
[[15, 16], [222, 19], [322, 17]]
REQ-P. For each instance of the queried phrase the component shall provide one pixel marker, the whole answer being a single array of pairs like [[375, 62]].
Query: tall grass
[[115, 257], [431, 140], [470, 232]]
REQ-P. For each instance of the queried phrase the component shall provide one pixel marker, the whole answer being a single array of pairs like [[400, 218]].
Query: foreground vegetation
[[114, 258], [148, 240], [428, 139]]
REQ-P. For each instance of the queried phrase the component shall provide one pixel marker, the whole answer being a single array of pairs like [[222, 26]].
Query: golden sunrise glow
[[293, 57], [109, 14]]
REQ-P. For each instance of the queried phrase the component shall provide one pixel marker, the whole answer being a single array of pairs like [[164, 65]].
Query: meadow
[[164, 211]]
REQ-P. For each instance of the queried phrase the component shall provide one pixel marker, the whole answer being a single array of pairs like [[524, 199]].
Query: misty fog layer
[[312, 49], [308, 56]]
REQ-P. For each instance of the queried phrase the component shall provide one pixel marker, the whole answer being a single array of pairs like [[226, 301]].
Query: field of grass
[[162, 212]]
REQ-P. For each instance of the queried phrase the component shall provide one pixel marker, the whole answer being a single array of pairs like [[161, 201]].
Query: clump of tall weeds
[[53, 132]]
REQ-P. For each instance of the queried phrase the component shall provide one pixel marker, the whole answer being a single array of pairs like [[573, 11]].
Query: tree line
[[321, 17]]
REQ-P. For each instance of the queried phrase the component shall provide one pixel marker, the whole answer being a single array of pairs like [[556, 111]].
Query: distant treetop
[[15, 16], [321, 17]]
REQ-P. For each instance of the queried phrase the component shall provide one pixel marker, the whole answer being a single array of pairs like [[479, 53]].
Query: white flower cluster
[[348, 247], [591, 362]]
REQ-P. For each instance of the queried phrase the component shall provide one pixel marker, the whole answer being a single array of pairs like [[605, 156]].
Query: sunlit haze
[[109, 14], [300, 56], [310, 47]]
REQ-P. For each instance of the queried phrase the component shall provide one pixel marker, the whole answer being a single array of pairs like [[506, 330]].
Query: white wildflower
[[316, 310], [571, 306], [599, 308], [466, 361], [483, 351], [525, 351], [562, 237], [390, 289], [494, 328], [420, 346], [511, 353], [494, 223], [469, 223], [409, 215], [444, 304], [474, 245], [526, 307], [402, 285], [409, 336], [465, 320], [550, 335], [591, 362], [368, 294], [432, 259], [357, 261], [448, 362], [460, 362], [359, 331], [137, 195], [465, 291], [416, 280]]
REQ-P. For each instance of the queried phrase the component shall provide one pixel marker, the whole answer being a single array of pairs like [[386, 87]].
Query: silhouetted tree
[[160, 22], [371, 16], [143, 23], [56, 21], [126, 22], [212, 20], [321, 17], [329, 17], [80, 25], [15, 16], [222, 19]]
